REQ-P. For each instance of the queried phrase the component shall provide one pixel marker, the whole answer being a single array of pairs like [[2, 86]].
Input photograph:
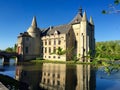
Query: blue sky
[[16, 17]]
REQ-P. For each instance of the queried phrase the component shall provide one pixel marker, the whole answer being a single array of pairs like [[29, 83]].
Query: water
[[62, 77]]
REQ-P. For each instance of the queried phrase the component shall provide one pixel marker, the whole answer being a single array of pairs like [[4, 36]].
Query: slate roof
[[76, 19], [62, 29], [25, 34]]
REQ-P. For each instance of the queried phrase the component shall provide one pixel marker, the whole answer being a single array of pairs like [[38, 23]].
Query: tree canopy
[[108, 50], [112, 8]]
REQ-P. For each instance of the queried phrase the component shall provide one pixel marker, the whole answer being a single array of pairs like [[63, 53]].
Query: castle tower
[[84, 36], [34, 32], [29, 42]]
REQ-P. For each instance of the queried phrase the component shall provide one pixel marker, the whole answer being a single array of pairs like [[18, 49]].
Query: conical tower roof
[[33, 28], [34, 22]]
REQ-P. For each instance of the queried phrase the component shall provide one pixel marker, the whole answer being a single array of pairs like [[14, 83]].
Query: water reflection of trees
[[57, 77]]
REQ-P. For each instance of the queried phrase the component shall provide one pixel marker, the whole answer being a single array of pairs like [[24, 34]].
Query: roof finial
[[80, 11], [34, 22]]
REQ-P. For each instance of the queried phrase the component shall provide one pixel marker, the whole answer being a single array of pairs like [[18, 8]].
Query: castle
[[61, 43]]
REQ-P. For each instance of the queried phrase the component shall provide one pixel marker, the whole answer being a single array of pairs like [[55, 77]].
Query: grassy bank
[[59, 62]]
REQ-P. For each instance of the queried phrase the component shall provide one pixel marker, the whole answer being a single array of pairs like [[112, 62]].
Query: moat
[[62, 77]]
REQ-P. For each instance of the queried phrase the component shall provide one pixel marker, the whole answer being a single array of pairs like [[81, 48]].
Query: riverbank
[[59, 62], [12, 84], [2, 87]]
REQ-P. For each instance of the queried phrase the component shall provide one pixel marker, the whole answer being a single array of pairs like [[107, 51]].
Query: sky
[[16, 17]]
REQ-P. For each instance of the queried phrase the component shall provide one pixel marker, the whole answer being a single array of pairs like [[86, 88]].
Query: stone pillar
[[2, 60], [16, 60], [6, 61]]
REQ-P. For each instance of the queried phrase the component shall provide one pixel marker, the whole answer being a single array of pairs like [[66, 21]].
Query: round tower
[[34, 32]]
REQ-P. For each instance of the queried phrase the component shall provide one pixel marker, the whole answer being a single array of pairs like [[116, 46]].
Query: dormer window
[[56, 32]]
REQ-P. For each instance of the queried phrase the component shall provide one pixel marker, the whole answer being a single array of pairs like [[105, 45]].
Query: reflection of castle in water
[[57, 77], [62, 77]]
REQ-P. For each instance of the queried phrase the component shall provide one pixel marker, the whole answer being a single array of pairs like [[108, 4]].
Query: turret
[[84, 18], [84, 38], [34, 22], [91, 21], [33, 30], [80, 11], [34, 43]]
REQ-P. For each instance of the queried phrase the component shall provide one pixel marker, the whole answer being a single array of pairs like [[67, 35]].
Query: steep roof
[[33, 28], [62, 29], [77, 18]]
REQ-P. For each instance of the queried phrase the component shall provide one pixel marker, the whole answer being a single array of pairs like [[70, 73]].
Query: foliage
[[117, 2], [60, 51], [11, 49], [109, 50], [15, 47], [112, 8], [107, 54]]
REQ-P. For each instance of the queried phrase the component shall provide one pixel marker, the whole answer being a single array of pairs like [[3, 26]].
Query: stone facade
[[74, 39]]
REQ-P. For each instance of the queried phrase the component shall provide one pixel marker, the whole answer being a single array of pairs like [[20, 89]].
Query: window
[[48, 74], [49, 56], [58, 76], [53, 56], [44, 73], [75, 44], [68, 34], [45, 50], [45, 42], [26, 49], [77, 34], [53, 82], [54, 49], [49, 42], [48, 81], [49, 49], [54, 42], [42, 49], [59, 42], [58, 82], [44, 80], [58, 57], [53, 75], [27, 38]]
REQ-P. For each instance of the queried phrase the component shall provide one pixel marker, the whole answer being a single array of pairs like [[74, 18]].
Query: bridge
[[7, 55]]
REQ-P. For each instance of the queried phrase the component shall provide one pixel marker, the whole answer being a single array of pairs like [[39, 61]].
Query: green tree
[[9, 49], [112, 8], [15, 47], [109, 50]]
